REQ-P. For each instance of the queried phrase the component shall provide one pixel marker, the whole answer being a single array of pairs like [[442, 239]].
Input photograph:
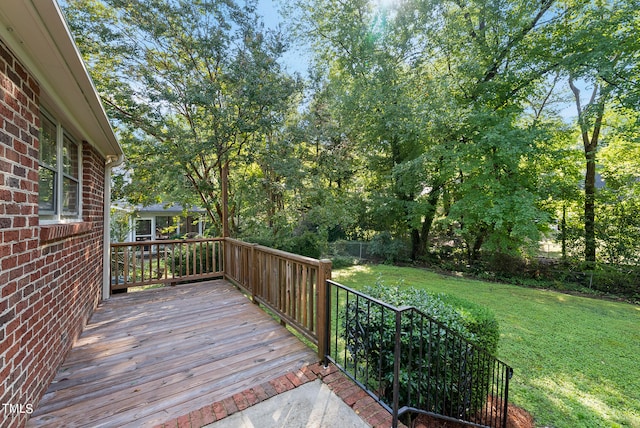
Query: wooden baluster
[[165, 274], [173, 260], [188, 260], [113, 271], [158, 274], [288, 287], [253, 280], [134, 263], [304, 315], [126, 265]]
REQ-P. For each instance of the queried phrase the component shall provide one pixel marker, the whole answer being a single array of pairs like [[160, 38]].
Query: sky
[[268, 10], [297, 59]]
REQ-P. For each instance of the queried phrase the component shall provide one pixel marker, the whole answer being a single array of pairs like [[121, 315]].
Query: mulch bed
[[517, 417]]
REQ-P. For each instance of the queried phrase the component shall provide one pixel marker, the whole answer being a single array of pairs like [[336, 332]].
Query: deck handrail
[[290, 285], [144, 263]]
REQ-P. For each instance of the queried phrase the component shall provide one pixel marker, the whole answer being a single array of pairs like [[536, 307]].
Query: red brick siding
[[50, 276]]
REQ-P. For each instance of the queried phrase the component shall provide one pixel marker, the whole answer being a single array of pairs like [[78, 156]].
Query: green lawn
[[576, 359]]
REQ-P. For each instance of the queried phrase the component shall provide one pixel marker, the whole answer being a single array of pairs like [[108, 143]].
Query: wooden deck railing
[[293, 287], [145, 263]]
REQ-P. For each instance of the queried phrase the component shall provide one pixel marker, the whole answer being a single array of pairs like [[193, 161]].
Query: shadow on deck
[[148, 357]]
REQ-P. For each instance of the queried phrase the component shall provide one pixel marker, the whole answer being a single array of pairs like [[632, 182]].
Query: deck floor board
[[148, 357]]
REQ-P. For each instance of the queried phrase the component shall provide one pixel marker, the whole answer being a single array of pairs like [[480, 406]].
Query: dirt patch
[[517, 417]]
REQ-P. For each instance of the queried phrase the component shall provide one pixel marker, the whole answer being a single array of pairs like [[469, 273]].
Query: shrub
[[386, 247], [307, 244], [338, 262], [439, 371], [619, 280], [479, 321]]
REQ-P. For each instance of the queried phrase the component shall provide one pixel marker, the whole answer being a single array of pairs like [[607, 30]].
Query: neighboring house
[[160, 221], [56, 153]]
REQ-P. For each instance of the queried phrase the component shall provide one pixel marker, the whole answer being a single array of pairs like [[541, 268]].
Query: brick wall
[[50, 276]]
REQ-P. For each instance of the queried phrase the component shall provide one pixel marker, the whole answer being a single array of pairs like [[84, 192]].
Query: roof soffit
[[37, 33]]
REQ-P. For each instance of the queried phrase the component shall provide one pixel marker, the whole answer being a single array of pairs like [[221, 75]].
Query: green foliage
[[568, 352], [618, 281], [388, 248], [120, 227], [456, 391], [479, 321], [450, 135], [338, 262], [190, 86], [307, 244], [618, 215], [474, 322]]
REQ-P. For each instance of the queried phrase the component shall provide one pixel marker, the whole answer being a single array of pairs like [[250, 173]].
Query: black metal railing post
[[506, 396], [396, 368]]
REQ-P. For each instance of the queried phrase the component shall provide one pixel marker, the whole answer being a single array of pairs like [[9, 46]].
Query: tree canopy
[[441, 125], [191, 85]]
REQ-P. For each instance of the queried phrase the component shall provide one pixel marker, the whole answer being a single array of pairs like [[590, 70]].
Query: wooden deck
[[151, 356]]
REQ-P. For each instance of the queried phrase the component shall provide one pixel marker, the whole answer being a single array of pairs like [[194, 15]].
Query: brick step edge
[[355, 397]]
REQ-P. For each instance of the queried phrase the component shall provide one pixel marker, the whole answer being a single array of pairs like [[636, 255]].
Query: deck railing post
[[322, 307], [253, 272]]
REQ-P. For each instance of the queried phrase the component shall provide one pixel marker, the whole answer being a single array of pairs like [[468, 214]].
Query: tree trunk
[[420, 249], [225, 199], [563, 228], [590, 207], [477, 245], [595, 110], [416, 244]]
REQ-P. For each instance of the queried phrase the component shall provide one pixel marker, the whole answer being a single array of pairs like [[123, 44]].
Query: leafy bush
[[388, 248], [475, 323], [479, 321], [338, 262], [307, 244], [619, 280], [439, 372]]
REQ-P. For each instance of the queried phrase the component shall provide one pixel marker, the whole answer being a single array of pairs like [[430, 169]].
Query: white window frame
[[152, 223], [58, 215]]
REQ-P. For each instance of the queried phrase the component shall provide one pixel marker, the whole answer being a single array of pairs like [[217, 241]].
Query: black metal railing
[[412, 364]]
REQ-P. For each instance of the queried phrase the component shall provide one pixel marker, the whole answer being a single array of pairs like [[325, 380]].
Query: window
[[59, 170], [165, 227], [189, 226], [143, 230]]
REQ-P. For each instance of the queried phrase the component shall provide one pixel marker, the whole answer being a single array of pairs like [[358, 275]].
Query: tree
[[377, 101], [435, 106], [192, 84], [618, 214], [597, 45]]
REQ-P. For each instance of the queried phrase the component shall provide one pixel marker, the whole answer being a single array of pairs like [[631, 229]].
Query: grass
[[576, 359]]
